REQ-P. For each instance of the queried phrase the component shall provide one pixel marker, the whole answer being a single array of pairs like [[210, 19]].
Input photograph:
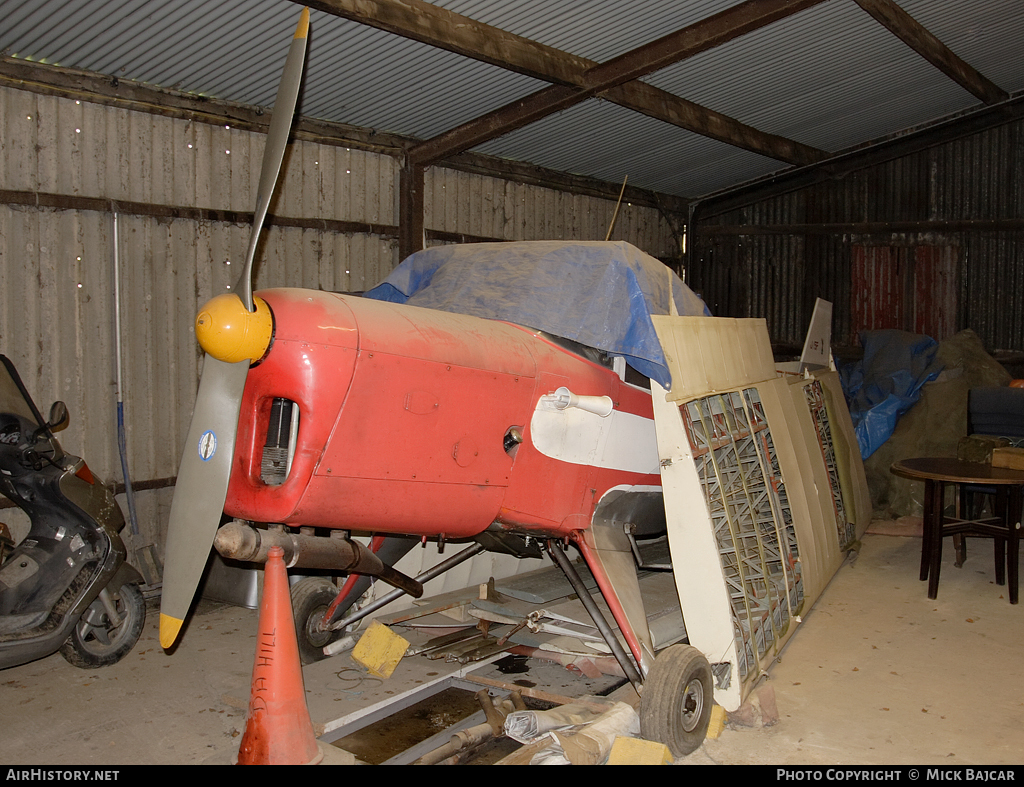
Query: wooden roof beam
[[438, 27], [613, 81], [921, 40], [619, 73]]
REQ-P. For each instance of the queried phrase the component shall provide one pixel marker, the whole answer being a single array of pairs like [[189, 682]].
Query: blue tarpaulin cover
[[887, 382], [601, 294]]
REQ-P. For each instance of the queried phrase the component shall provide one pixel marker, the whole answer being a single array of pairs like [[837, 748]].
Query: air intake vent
[[280, 446]]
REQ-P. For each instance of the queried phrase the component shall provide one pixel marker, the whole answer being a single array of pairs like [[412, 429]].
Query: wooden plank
[[636, 96], [504, 120], [410, 210], [662, 105], [843, 163], [429, 24]]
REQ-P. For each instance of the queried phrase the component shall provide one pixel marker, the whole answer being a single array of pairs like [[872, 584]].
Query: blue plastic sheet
[[601, 294], [887, 382]]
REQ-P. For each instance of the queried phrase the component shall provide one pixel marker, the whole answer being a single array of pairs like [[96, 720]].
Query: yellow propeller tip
[[303, 29], [169, 628]]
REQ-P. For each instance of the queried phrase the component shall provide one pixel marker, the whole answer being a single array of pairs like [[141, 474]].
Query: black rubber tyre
[[310, 598], [675, 706], [95, 643]]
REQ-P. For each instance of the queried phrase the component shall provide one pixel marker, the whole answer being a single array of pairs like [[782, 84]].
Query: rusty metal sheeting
[[777, 275]]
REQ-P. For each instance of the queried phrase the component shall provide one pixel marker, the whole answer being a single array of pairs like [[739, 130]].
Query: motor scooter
[[66, 586]]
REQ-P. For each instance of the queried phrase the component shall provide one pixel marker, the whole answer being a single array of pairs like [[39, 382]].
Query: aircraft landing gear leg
[[317, 603], [675, 707], [397, 593], [621, 656]]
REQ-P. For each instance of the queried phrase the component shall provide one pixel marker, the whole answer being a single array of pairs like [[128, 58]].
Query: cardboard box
[[1012, 458], [979, 447]]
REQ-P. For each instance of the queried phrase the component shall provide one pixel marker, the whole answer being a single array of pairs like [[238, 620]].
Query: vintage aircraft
[[341, 413]]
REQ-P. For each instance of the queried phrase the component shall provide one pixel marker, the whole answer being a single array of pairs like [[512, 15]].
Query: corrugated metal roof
[[595, 29], [606, 141], [830, 76]]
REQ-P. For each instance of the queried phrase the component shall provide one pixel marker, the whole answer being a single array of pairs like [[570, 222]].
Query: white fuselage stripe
[[619, 441]]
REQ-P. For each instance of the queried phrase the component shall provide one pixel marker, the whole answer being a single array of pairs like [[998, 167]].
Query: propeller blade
[[277, 142], [205, 469], [200, 489]]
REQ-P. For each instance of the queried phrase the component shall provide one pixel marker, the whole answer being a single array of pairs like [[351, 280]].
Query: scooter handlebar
[[19, 444]]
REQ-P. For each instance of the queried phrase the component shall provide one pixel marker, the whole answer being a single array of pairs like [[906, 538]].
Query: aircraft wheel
[[675, 707], [94, 642], [310, 598]]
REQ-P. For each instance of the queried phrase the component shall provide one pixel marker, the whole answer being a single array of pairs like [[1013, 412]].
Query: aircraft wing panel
[[752, 502]]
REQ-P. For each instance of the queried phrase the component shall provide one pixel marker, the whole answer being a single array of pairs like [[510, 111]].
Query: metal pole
[[122, 442], [615, 215], [628, 667], [426, 576]]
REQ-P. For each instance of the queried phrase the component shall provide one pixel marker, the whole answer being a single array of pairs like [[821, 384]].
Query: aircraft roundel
[[207, 445]]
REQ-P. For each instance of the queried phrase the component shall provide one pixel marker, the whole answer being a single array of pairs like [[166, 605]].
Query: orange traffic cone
[[278, 730]]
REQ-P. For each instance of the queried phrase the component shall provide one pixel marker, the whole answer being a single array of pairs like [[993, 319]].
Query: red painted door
[[910, 288]]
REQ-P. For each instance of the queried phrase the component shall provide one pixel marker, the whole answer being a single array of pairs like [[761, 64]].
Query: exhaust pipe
[[239, 541]]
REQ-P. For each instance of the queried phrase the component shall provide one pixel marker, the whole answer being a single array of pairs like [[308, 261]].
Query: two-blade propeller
[[234, 330]]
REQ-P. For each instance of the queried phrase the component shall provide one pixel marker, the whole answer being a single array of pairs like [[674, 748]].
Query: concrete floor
[[877, 674]]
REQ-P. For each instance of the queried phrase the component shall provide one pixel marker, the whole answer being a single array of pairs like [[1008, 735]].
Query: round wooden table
[[1004, 527]]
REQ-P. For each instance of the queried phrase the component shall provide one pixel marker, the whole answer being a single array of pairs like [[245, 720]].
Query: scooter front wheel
[[96, 641]]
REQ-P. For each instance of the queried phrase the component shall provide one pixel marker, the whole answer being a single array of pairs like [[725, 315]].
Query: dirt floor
[[881, 674], [876, 674]]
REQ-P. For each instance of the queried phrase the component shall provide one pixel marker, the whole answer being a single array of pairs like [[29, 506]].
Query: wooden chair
[[998, 412]]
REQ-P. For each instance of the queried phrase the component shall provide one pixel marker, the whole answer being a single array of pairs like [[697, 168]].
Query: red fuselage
[[404, 418]]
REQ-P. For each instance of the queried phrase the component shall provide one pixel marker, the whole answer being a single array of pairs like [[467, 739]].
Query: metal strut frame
[[819, 415], [621, 656], [426, 576], [739, 471]]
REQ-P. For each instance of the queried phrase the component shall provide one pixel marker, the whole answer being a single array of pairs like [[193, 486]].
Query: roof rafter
[[430, 24], [921, 40], [576, 79]]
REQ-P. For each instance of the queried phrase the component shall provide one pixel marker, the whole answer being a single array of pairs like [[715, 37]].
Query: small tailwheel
[[675, 707], [310, 598]]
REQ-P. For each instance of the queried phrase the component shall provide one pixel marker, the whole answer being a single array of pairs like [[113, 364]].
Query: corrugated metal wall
[[487, 207], [775, 275], [56, 265]]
